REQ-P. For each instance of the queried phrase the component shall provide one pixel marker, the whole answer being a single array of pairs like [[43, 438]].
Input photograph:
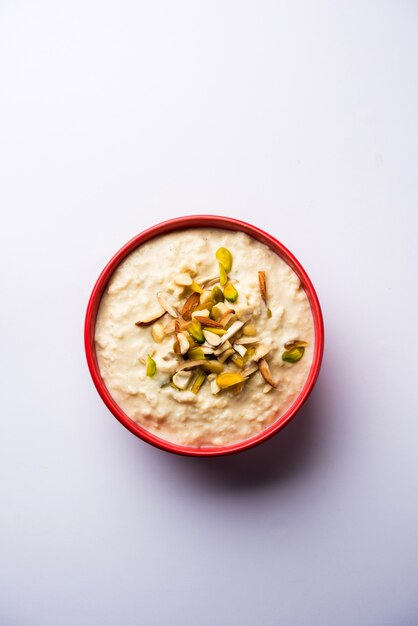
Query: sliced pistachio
[[224, 257], [195, 331], [166, 305], [237, 359], [269, 313], [240, 349], [265, 372], [213, 366], [249, 330], [217, 295], [198, 382], [151, 366], [182, 379], [230, 293], [263, 285], [207, 321], [147, 320], [217, 331], [157, 332], [183, 343], [294, 355], [196, 353], [229, 379], [223, 276], [295, 343], [212, 338], [250, 353], [196, 287], [225, 355], [183, 280], [190, 305]]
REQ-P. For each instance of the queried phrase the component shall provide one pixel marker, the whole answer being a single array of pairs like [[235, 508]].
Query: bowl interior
[[202, 221]]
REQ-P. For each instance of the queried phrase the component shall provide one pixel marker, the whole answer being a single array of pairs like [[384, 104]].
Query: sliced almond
[[170, 327], [263, 285], [207, 321], [267, 388], [147, 320], [232, 330], [205, 297], [265, 372], [211, 338], [176, 326], [183, 280], [248, 371], [184, 365], [182, 379], [214, 387], [190, 305], [243, 341], [157, 332], [166, 305], [261, 352], [240, 349], [225, 346], [207, 282], [225, 355], [183, 343]]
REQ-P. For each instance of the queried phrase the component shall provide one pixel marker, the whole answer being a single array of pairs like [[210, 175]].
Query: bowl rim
[[182, 223]]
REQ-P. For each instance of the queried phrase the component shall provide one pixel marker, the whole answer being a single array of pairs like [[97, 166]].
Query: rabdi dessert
[[204, 337]]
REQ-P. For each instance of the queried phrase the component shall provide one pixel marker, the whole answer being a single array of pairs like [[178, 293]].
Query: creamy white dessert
[[204, 337]]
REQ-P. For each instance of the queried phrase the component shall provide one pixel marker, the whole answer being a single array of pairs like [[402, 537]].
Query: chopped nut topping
[[207, 321], [265, 372], [190, 305], [150, 319], [228, 379], [183, 280], [263, 285], [170, 309]]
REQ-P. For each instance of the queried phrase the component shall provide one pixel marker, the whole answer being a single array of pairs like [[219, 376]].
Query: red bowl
[[181, 223]]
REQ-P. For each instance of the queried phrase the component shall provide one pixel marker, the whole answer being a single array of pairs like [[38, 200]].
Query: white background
[[300, 117]]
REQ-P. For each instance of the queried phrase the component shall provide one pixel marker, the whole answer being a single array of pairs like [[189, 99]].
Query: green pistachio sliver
[[225, 258], [223, 276], [195, 331], [230, 293], [196, 354], [151, 366], [269, 313], [249, 330], [215, 331], [228, 379], [214, 367], [217, 295], [237, 359], [294, 355], [198, 382], [196, 287]]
